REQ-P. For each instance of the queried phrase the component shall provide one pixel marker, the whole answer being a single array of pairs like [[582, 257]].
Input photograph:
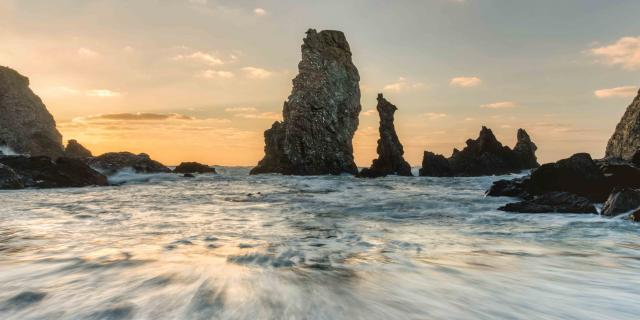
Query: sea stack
[[25, 124], [625, 140], [321, 115], [77, 151], [483, 157], [390, 152]]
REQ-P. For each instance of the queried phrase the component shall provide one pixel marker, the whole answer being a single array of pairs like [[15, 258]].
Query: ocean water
[[234, 246]]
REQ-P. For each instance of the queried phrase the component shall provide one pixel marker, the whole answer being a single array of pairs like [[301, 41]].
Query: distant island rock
[[112, 162], [483, 156], [25, 124], [390, 151], [193, 167], [75, 150], [625, 141], [321, 114]]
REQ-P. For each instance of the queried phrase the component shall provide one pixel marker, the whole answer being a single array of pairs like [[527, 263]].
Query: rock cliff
[[321, 115], [625, 140], [75, 150]]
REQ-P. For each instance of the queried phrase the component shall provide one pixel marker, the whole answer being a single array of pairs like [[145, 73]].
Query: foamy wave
[[128, 175], [5, 150]]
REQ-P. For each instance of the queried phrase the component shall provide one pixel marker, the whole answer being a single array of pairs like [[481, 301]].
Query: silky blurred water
[[234, 246]]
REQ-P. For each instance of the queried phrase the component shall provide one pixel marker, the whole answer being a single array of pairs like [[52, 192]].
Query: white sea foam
[[5, 150]]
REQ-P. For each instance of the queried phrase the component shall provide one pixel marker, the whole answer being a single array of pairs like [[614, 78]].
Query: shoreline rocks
[[390, 151], [43, 172], [193, 167], [25, 124], [75, 150], [112, 162], [483, 157], [320, 116], [552, 202]]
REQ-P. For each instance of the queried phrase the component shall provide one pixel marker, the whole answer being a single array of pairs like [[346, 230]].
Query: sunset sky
[[202, 79]]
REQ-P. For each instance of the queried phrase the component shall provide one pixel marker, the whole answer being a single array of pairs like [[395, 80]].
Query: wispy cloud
[[465, 82], [210, 74], [256, 73], [625, 52], [627, 91], [139, 116], [434, 115], [499, 105], [87, 53], [252, 113], [368, 113], [103, 93], [201, 57], [240, 109], [403, 84], [260, 12]]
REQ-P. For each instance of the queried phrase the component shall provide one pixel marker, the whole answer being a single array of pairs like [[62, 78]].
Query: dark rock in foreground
[[321, 114], [390, 151], [42, 172], [75, 150], [625, 141], [483, 156], [621, 201], [510, 188], [193, 167], [25, 124], [9, 179], [112, 162], [559, 202]]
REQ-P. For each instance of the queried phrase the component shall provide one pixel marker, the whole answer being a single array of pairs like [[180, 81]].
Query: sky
[[200, 80]]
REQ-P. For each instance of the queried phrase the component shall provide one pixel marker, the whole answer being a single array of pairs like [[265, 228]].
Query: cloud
[[624, 92], [201, 57], [103, 93], [198, 1], [261, 115], [209, 74], [256, 73], [403, 84], [260, 12], [139, 116], [465, 82], [240, 109], [499, 105], [87, 53], [369, 112], [434, 115], [625, 53]]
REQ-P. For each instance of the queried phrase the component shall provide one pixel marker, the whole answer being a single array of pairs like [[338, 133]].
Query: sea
[[236, 246]]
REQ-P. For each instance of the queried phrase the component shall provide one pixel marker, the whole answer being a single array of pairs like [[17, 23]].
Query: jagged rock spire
[[625, 140]]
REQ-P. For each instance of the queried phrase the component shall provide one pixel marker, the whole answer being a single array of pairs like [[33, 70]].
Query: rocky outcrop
[[321, 114], [112, 162], [390, 152], [625, 141], [193, 167], [620, 201], [552, 202], [75, 150], [483, 156], [42, 172], [25, 124], [9, 179]]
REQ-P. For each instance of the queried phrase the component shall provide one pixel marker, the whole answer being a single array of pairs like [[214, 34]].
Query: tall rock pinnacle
[[321, 114], [390, 152], [25, 124], [626, 138]]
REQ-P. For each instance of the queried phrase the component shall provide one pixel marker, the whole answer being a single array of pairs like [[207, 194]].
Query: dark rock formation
[[619, 173], [435, 165], [390, 152], [625, 141], [635, 216], [42, 172], [560, 202], [620, 201], [25, 124], [510, 188], [483, 156], [321, 114], [9, 179], [193, 167], [112, 162], [76, 150]]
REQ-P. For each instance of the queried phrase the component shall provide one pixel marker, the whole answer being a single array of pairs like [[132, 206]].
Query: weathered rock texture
[[390, 152], [112, 162], [483, 156], [42, 172], [193, 167], [321, 114], [25, 124], [625, 140], [75, 150], [621, 201], [9, 179], [558, 202]]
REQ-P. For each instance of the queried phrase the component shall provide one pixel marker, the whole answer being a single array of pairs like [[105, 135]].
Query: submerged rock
[[25, 124], [625, 141], [552, 202], [483, 156], [390, 152], [321, 114], [620, 201], [75, 150], [42, 172], [510, 188], [193, 167], [9, 179], [112, 162]]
